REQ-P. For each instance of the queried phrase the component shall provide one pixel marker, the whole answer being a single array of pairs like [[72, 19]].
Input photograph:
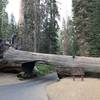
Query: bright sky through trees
[[13, 8], [65, 8]]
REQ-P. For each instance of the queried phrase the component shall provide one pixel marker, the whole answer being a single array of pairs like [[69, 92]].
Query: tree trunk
[[88, 63]]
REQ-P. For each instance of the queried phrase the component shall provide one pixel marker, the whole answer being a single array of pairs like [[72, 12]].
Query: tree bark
[[90, 64]]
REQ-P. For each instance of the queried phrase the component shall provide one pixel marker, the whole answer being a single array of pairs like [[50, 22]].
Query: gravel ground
[[8, 79], [67, 89]]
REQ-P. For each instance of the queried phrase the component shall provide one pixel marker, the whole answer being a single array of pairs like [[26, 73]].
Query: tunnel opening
[[35, 68]]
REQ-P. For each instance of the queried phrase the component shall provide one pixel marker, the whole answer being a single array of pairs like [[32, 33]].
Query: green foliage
[[6, 28], [40, 26], [68, 43], [49, 40], [87, 26], [5, 25], [9, 28], [44, 69], [2, 13], [31, 28], [95, 28], [13, 27], [83, 20]]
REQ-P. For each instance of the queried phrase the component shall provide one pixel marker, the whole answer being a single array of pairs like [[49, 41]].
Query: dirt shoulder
[[8, 79], [67, 89]]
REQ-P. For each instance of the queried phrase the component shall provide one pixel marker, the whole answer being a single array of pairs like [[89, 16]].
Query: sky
[[13, 8], [65, 9]]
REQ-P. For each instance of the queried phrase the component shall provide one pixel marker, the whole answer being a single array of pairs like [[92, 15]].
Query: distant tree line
[[81, 34], [40, 28], [8, 28], [39, 31]]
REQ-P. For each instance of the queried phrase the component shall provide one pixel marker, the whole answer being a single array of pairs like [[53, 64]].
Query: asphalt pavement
[[34, 89]]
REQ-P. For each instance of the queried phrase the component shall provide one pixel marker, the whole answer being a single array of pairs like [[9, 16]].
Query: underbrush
[[43, 69]]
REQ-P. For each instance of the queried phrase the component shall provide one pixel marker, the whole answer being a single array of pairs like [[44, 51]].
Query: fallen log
[[90, 64], [6, 66], [15, 58]]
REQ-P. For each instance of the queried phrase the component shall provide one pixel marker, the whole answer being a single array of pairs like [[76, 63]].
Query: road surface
[[30, 90]]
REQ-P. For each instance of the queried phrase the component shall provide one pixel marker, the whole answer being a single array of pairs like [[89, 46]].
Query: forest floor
[[8, 79], [67, 89]]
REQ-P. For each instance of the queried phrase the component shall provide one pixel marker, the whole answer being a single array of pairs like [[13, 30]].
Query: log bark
[[90, 64], [6, 66]]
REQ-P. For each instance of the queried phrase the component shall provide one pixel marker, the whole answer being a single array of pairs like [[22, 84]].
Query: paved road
[[31, 90]]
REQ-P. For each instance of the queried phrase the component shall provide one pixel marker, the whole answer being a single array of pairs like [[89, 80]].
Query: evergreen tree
[[87, 26], [40, 26], [68, 38], [83, 10], [50, 28], [0, 17], [95, 28], [13, 25], [5, 26], [3, 4], [31, 29]]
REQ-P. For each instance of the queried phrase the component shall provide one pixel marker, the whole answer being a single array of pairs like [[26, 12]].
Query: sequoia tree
[[40, 26], [83, 10]]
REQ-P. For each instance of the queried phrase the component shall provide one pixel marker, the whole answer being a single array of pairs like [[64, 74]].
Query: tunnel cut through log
[[90, 64], [28, 68]]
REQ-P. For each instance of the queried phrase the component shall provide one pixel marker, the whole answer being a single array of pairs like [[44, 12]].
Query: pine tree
[[50, 27], [5, 26], [95, 27], [3, 15], [13, 29], [40, 26], [0, 17], [87, 26], [68, 38], [83, 10]]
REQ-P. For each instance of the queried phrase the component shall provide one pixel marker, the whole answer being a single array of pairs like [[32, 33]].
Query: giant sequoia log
[[88, 63], [16, 60]]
